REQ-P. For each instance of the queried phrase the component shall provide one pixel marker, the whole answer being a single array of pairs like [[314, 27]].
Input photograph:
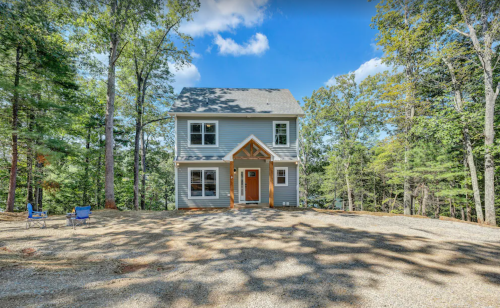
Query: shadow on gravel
[[301, 263]]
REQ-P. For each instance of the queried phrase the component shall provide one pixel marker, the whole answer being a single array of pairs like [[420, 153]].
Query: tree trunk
[[489, 135], [306, 189], [462, 213], [15, 108], [98, 176], [29, 159], [349, 194], [143, 160], [39, 183], [438, 208], [167, 188], [361, 199], [483, 49], [457, 89], [138, 126], [452, 208], [109, 190], [86, 187], [424, 200], [409, 113]]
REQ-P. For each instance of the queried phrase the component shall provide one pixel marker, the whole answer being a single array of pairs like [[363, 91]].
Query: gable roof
[[241, 101], [262, 145]]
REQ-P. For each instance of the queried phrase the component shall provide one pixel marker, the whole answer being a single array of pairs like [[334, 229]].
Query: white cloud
[[256, 45], [369, 68], [195, 55], [185, 76], [217, 16]]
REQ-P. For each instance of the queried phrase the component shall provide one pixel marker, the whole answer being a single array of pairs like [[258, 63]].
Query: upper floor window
[[281, 135], [203, 133]]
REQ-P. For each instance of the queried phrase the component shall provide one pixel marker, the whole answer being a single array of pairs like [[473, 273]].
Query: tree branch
[[120, 52], [461, 32], [155, 120]]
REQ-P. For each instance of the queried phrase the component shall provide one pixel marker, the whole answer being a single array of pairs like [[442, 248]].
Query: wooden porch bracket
[[271, 184], [231, 184]]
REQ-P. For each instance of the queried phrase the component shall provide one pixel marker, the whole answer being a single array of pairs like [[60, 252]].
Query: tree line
[[85, 86], [418, 139]]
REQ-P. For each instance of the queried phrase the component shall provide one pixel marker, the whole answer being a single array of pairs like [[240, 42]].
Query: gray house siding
[[183, 186], [287, 193], [232, 131], [281, 193]]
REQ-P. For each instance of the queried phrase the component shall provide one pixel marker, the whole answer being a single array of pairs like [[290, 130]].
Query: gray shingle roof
[[198, 158], [236, 100]]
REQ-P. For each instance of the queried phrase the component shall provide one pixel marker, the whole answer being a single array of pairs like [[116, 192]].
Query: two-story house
[[236, 146]]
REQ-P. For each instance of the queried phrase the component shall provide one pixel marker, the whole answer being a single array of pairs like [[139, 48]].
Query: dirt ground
[[249, 258]]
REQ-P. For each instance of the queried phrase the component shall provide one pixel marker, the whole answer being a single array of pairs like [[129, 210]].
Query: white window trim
[[241, 188], [276, 176], [287, 134], [203, 122], [216, 169]]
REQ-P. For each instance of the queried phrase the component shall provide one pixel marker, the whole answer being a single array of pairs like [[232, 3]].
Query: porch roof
[[262, 145]]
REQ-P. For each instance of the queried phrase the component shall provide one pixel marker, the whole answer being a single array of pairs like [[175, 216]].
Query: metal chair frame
[[36, 218], [79, 220]]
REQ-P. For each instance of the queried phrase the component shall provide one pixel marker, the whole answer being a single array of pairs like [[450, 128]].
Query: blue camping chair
[[82, 213], [35, 218]]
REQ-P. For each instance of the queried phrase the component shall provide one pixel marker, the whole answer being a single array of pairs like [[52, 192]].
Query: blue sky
[[298, 45]]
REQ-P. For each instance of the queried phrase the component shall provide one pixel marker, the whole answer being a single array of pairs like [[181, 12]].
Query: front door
[[252, 185]]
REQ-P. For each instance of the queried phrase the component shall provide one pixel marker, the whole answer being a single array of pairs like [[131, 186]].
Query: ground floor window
[[281, 176], [203, 183]]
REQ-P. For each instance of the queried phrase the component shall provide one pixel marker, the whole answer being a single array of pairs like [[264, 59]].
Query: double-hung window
[[281, 135], [281, 176], [203, 183], [203, 133]]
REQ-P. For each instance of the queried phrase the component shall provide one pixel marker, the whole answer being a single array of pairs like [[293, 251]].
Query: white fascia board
[[232, 115], [201, 161]]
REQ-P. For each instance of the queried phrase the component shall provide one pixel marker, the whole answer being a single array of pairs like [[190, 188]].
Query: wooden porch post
[[231, 184], [271, 183]]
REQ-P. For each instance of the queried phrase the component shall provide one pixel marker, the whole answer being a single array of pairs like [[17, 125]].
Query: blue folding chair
[[35, 218], [82, 213]]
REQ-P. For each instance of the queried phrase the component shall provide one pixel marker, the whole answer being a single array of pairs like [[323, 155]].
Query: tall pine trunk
[[109, 189], [98, 174], [467, 143], [141, 87], [39, 182], [489, 135], [29, 158], [86, 186], [483, 48], [15, 109], [349, 194], [143, 160], [138, 125]]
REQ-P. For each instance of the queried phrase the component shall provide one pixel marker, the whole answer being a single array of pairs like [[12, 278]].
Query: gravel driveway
[[249, 258]]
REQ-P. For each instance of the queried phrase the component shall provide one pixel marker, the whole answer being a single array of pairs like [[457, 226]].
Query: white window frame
[[217, 174], [287, 133], [203, 122], [276, 176]]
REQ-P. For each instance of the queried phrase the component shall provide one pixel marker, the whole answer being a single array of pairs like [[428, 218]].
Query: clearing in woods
[[249, 258]]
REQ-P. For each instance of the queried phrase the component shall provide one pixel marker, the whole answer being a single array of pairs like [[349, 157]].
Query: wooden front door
[[252, 185]]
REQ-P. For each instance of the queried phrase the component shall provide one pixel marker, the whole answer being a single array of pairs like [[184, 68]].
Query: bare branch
[[461, 32], [120, 52], [155, 120]]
